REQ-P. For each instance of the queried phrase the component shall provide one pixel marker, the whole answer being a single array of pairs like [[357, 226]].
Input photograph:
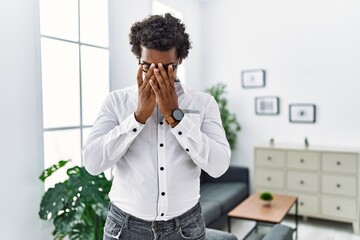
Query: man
[[157, 136]]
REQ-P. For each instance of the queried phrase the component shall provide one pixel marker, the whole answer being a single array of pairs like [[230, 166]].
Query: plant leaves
[[49, 171], [229, 120], [81, 205], [53, 201]]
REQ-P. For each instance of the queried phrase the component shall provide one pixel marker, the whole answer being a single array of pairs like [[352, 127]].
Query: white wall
[[21, 122], [192, 19], [123, 63], [311, 52]]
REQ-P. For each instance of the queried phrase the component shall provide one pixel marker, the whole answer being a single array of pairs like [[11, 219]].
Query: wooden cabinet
[[325, 179]]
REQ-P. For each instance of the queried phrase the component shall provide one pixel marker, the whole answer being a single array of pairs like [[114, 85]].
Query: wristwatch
[[175, 116]]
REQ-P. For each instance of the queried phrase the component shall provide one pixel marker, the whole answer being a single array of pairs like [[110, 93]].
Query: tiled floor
[[312, 229]]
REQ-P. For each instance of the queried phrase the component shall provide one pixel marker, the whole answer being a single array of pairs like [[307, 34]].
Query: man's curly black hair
[[160, 33]]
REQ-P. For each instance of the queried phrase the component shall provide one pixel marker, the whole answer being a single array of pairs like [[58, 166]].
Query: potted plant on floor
[[78, 206]]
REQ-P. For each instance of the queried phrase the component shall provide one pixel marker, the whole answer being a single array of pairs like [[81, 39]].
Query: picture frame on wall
[[267, 105], [302, 113], [253, 78]]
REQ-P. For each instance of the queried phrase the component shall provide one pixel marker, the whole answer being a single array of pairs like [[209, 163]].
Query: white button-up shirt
[[156, 168]]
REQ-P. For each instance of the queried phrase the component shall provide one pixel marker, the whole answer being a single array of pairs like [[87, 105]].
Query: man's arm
[[207, 146], [108, 140]]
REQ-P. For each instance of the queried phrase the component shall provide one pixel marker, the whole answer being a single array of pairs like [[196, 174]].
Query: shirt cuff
[[183, 127]]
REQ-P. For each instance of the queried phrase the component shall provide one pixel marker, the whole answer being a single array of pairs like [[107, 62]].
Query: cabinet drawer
[[339, 185], [269, 178], [303, 160], [339, 207], [270, 158], [306, 203], [302, 181], [339, 162]]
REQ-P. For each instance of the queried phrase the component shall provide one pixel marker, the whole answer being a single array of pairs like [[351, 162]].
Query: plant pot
[[266, 203]]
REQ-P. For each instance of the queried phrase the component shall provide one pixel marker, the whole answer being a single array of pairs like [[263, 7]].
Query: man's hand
[[164, 89], [146, 95]]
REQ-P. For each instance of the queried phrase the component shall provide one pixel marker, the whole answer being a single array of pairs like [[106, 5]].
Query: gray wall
[[21, 122]]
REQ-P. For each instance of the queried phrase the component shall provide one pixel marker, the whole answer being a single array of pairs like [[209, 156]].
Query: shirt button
[[161, 145], [180, 133], [162, 214], [134, 130], [162, 168], [187, 149], [163, 194], [161, 123]]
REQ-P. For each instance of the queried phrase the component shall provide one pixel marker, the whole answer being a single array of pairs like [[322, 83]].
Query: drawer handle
[[338, 163], [338, 185], [269, 158], [338, 208], [301, 182], [268, 178], [302, 204], [302, 160]]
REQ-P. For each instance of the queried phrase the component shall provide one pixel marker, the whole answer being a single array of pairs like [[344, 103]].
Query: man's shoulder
[[193, 93], [123, 93]]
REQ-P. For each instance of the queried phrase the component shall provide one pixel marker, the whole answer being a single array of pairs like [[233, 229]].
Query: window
[[75, 75], [161, 8]]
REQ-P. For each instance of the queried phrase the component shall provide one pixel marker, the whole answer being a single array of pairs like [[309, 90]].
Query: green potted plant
[[229, 120], [266, 198], [78, 206]]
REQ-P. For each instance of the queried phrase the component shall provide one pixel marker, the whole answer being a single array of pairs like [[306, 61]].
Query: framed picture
[[253, 78], [302, 113], [267, 105]]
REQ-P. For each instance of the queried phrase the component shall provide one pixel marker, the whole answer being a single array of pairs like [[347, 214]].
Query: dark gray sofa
[[220, 195], [279, 232]]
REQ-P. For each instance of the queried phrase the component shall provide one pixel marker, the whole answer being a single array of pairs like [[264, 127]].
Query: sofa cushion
[[227, 194], [211, 210]]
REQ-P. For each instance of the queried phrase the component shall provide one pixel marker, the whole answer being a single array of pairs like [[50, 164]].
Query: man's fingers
[[147, 87], [171, 76], [164, 75], [149, 73], [160, 80], [139, 76], [154, 87]]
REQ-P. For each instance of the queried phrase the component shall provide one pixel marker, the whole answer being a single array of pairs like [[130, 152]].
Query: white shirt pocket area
[[194, 115]]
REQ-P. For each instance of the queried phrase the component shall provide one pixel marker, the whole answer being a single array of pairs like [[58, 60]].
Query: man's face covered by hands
[[156, 76], [164, 58]]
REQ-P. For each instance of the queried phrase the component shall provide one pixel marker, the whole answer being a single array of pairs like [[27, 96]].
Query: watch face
[[178, 114]]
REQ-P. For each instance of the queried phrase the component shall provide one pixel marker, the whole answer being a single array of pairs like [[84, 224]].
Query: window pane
[[60, 82], [95, 81], [59, 145], [94, 22], [59, 18]]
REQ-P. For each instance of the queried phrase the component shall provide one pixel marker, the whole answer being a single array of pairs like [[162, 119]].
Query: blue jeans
[[121, 225]]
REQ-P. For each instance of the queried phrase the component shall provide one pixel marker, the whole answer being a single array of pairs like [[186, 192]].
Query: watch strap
[[169, 120]]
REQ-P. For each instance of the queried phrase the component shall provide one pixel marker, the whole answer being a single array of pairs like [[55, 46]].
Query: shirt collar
[[180, 88]]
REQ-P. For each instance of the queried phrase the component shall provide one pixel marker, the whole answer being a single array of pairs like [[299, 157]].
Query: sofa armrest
[[280, 232], [233, 174]]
